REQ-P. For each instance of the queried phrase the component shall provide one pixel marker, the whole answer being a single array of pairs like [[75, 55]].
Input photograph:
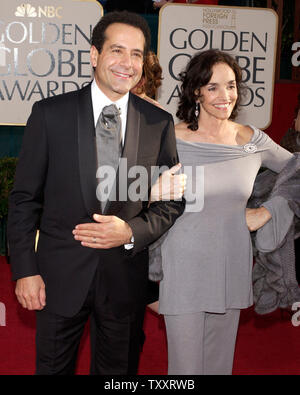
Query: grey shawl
[[274, 278]]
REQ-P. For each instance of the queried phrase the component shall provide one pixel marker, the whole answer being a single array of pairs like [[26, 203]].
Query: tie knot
[[110, 116]]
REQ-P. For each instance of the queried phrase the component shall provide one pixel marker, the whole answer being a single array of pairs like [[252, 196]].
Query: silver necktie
[[108, 140]]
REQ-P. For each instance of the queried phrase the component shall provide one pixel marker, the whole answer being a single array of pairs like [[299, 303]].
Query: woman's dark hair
[[197, 74], [127, 18]]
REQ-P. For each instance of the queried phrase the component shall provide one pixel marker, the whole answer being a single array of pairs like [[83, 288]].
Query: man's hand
[[109, 231], [257, 217], [31, 292]]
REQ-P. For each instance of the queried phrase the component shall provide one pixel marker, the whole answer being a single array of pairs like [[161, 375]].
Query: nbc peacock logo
[[29, 11], [26, 10]]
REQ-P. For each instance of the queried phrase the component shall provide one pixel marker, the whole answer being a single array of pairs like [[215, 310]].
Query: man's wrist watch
[[130, 245]]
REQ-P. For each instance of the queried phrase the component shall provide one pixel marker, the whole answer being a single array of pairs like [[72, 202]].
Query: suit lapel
[[87, 151], [130, 149], [131, 145]]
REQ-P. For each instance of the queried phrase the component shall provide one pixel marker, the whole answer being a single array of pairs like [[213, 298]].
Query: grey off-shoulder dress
[[207, 255]]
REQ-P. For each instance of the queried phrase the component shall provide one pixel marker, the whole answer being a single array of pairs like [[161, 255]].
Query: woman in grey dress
[[207, 254]]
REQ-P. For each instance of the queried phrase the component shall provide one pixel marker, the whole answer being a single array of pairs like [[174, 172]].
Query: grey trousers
[[201, 343]]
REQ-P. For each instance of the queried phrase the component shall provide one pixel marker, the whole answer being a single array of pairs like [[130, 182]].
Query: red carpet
[[266, 344]]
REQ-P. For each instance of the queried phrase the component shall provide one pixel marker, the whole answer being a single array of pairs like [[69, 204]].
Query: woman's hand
[[169, 186], [257, 217]]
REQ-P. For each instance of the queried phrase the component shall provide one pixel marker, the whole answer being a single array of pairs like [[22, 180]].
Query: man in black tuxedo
[[89, 262]]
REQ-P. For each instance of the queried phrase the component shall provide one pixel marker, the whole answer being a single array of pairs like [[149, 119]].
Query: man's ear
[[94, 56]]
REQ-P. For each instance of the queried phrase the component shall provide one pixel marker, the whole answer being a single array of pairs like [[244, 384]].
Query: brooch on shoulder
[[250, 148]]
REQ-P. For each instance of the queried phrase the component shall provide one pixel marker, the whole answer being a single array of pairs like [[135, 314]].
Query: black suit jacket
[[55, 189]]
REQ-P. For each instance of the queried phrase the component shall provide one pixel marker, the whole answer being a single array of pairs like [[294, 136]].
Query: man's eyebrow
[[122, 47], [116, 46]]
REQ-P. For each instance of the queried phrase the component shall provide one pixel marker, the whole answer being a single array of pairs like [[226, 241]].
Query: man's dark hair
[[125, 17], [197, 74]]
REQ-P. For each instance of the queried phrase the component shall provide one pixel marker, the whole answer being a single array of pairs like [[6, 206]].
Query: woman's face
[[218, 98]]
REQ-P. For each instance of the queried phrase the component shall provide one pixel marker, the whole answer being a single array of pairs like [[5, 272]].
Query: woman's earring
[[197, 110]]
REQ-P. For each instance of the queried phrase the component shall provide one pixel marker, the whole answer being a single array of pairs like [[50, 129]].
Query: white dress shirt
[[100, 100]]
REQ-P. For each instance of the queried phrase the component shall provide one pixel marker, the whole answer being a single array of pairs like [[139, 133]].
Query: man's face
[[119, 66]]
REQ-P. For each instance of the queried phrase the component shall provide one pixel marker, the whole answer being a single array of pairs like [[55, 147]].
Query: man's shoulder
[[149, 108], [63, 98]]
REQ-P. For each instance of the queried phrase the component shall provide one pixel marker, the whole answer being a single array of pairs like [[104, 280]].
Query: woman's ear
[[197, 93]]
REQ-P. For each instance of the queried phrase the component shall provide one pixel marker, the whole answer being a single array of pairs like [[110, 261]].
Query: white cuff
[[130, 245]]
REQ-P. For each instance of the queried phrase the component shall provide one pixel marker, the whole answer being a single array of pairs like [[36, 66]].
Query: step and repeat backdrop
[[249, 34], [44, 51]]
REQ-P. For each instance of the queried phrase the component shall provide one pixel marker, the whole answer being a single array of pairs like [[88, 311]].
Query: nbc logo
[[26, 10]]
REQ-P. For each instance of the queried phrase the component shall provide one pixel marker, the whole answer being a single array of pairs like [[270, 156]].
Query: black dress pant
[[115, 341]]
